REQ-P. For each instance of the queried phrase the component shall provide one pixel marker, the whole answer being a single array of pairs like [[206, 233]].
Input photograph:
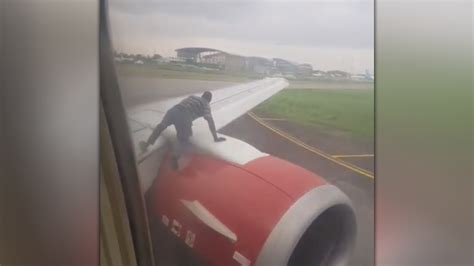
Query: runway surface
[[141, 90]]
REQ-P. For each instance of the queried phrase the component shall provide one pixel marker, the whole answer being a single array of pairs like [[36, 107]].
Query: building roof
[[197, 50], [284, 61], [259, 60]]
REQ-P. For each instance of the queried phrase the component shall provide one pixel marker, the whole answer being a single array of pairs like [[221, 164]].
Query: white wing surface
[[227, 105]]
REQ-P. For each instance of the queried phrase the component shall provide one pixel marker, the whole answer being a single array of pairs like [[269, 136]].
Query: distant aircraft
[[368, 76], [364, 77], [231, 204]]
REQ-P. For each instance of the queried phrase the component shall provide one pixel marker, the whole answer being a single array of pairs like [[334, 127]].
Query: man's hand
[[219, 139], [143, 145]]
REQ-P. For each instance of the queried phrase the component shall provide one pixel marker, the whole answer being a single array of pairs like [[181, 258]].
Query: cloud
[[347, 25]]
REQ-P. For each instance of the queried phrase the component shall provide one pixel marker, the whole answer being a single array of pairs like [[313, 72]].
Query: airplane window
[[252, 125]]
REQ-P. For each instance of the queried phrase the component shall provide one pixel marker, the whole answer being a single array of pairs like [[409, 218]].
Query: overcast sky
[[337, 34]]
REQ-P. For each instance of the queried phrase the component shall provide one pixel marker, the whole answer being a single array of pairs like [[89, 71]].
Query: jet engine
[[261, 211]]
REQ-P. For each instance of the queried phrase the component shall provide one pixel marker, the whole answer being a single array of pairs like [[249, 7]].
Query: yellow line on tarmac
[[312, 149], [353, 156]]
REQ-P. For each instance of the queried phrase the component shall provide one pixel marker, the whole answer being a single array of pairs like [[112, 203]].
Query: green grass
[[348, 110], [179, 72]]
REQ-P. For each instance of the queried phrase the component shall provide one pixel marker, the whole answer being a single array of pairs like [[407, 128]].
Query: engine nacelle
[[264, 212]]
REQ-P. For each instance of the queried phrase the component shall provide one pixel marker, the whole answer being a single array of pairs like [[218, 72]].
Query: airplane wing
[[227, 105]]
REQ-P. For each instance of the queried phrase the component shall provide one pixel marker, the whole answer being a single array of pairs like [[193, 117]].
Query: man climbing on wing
[[182, 116]]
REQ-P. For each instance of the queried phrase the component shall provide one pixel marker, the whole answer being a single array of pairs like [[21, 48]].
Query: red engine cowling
[[266, 212]]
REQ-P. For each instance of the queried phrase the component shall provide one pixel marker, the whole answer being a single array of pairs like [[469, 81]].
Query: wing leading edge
[[227, 105]]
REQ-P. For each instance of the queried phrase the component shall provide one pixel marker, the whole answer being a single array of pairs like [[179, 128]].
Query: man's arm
[[212, 128]]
